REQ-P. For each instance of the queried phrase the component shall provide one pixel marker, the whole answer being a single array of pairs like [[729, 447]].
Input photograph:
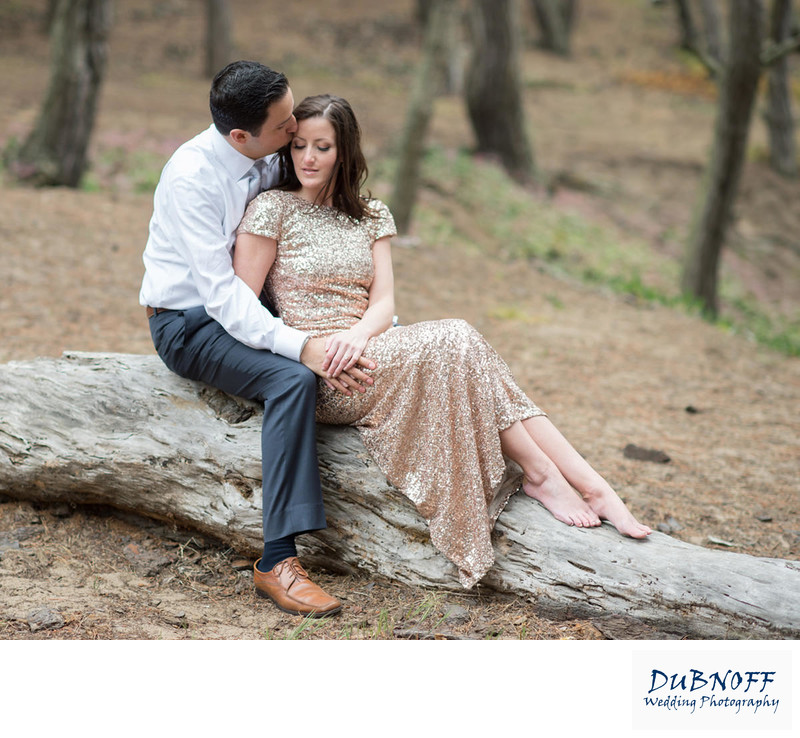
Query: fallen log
[[122, 430]]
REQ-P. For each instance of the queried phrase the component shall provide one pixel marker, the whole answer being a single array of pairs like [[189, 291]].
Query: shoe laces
[[297, 572], [297, 569]]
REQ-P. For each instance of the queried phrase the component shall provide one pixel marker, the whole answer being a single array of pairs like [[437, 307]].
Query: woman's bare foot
[[564, 504], [607, 504]]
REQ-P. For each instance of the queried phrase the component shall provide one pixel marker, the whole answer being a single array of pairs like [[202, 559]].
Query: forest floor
[[622, 129]]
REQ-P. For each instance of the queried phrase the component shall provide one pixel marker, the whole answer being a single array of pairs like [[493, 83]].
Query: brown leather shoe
[[290, 589]]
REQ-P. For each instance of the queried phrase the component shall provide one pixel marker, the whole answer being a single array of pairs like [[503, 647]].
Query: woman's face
[[314, 153]]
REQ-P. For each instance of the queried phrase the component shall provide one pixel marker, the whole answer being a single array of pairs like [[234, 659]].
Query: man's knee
[[300, 379]]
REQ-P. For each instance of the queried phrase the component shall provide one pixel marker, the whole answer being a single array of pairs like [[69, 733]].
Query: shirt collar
[[234, 162]]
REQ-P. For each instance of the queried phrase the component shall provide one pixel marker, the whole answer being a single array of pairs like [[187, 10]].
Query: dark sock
[[276, 551]]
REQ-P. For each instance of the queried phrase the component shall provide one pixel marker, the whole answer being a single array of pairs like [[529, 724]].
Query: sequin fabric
[[441, 394]]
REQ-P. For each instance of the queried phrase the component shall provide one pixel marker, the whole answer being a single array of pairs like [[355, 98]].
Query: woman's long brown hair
[[350, 172]]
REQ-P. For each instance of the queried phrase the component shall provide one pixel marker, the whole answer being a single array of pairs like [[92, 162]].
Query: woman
[[443, 409]]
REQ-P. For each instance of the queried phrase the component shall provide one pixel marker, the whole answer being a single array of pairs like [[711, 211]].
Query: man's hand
[[314, 357]]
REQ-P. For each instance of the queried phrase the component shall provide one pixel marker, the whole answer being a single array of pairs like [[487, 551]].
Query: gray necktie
[[254, 179]]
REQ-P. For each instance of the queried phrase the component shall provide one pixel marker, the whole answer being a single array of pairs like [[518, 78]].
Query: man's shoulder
[[194, 166], [195, 154]]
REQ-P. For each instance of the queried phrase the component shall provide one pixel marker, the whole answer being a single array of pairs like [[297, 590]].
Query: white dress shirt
[[198, 204]]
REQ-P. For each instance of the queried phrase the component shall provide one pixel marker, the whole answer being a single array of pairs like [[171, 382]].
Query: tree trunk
[[494, 89], [778, 115], [424, 9], [123, 430], [554, 18], [686, 25], [420, 109], [218, 36], [55, 153], [713, 30], [452, 41], [708, 51], [718, 195], [49, 16]]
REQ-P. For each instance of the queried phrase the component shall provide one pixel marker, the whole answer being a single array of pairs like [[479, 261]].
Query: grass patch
[[781, 334], [510, 222], [308, 626], [121, 168], [481, 207]]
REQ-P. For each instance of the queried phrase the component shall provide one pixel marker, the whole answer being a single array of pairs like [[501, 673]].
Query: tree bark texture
[[723, 171], [780, 121], [218, 36], [55, 153], [122, 430], [494, 88], [420, 109]]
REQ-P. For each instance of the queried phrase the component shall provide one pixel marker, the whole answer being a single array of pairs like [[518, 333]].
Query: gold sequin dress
[[441, 394]]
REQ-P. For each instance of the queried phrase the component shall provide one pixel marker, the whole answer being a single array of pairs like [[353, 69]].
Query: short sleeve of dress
[[264, 215], [382, 224]]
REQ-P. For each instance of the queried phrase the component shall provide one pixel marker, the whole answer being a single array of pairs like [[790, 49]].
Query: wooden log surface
[[122, 430]]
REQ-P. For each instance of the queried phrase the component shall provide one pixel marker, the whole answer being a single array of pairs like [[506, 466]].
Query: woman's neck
[[314, 196]]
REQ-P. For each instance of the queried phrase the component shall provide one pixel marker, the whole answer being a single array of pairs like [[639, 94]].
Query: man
[[207, 325]]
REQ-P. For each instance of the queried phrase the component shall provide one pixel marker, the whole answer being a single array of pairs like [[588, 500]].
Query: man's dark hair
[[241, 94]]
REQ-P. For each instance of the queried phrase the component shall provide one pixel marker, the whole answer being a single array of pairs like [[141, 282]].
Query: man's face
[[277, 131]]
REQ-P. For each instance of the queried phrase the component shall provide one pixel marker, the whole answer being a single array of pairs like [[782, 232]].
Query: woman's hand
[[353, 380], [343, 350]]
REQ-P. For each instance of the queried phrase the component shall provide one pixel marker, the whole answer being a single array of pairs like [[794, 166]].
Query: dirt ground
[[610, 370]]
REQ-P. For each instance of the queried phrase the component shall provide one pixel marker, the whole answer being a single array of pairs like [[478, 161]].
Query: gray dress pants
[[196, 346]]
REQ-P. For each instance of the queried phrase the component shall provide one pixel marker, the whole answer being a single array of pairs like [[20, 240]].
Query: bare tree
[[48, 16], [686, 25], [218, 36], [712, 25], [494, 88], [555, 19], [438, 17], [778, 115], [423, 13], [452, 41], [707, 47], [55, 152], [734, 113]]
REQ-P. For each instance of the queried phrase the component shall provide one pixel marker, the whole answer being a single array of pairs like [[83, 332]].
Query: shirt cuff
[[289, 342]]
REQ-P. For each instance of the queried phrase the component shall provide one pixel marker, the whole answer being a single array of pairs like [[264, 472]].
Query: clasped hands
[[339, 361]]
